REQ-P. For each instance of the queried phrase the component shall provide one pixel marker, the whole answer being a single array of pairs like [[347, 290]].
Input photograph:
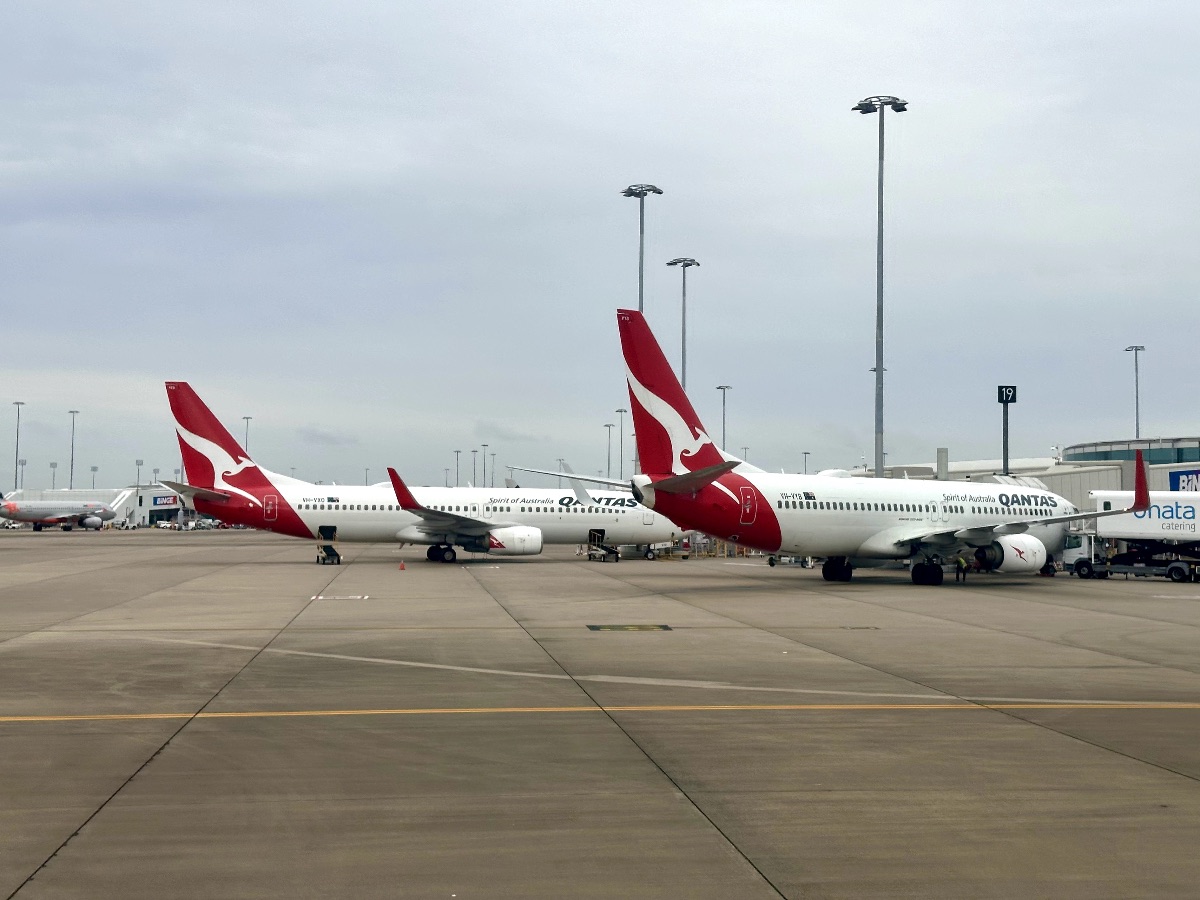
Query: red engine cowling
[[1013, 553], [515, 540]]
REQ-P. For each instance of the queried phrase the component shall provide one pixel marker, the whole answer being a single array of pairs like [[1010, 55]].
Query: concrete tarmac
[[212, 715]]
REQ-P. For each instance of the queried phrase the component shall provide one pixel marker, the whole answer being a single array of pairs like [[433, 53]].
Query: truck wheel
[[1083, 569], [771, 561], [1178, 574]]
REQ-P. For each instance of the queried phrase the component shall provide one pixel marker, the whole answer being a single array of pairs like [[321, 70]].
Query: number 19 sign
[[1006, 394]]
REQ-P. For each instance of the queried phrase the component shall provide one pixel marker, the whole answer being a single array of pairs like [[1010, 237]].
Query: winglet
[[1141, 487], [403, 494]]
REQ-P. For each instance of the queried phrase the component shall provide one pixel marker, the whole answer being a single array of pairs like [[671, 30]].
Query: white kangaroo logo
[[683, 442], [222, 463]]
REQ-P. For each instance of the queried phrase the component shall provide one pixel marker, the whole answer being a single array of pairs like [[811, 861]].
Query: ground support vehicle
[[1090, 556]]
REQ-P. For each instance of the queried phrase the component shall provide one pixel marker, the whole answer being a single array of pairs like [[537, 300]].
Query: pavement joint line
[[512, 710]]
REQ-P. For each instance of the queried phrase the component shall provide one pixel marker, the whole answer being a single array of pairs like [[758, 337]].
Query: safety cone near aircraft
[[846, 520]]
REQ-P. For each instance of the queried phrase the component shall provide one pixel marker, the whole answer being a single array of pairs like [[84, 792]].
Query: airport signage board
[[1006, 393], [1185, 480], [169, 500]]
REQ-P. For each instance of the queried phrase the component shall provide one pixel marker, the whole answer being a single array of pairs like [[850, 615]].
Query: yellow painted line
[[781, 707]]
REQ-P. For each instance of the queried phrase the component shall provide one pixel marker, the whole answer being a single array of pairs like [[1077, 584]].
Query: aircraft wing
[[436, 521], [608, 482]]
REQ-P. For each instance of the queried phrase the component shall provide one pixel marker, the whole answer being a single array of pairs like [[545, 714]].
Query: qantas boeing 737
[[849, 521], [225, 483]]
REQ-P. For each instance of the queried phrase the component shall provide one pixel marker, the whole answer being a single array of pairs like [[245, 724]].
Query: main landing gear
[[927, 572], [441, 553], [837, 568]]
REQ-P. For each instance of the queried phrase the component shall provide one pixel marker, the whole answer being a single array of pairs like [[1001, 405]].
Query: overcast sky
[[391, 230]]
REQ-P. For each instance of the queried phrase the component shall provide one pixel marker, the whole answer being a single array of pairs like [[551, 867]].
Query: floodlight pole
[[71, 477], [723, 388], [640, 191], [1137, 391], [684, 262], [621, 442], [17, 450], [872, 105]]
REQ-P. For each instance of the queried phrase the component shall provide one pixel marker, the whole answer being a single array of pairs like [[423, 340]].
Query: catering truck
[[1160, 540]]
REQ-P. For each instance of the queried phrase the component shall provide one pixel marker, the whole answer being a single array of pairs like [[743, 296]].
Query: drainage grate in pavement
[[629, 628]]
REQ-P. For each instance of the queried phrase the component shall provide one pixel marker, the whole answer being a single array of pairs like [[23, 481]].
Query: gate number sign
[[1006, 393]]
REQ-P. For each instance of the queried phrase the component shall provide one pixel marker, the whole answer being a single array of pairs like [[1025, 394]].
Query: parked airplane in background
[[849, 521], [225, 483], [65, 513]]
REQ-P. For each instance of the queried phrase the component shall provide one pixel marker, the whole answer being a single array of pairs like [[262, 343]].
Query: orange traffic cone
[[401, 565]]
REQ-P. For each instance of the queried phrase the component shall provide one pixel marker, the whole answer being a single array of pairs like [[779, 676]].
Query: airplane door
[[487, 512], [749, 505], [270, 507]]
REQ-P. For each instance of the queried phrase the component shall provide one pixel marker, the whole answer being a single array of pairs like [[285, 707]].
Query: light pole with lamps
[[53, 474], [621, 442], [1137, 404], [246, 443], [71, 475], [609, 427], [456, 452], [684, 263], [805, 452], [94, 469], [17, 449], [746, 454], [640, 191], [723, 388], [447, 476], [138, 463], [474, 475], [156, 471], [877, 104]]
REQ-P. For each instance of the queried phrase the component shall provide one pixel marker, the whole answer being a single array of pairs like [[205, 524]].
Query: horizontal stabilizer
[[693, 481], [187, 490]]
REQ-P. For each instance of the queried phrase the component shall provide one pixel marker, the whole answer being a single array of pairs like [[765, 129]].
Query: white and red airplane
[[224, 482], [64, 513], [848, 521]]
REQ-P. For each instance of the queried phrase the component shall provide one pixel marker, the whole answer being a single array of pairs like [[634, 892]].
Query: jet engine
[[91, 522], [1013, 553], [514, 540]]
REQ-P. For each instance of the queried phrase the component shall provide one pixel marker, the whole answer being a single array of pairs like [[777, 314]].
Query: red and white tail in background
[[671, 439]]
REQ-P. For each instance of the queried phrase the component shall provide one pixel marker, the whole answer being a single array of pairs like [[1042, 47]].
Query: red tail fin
[[670, 436], [211, 456], [1141, 487]]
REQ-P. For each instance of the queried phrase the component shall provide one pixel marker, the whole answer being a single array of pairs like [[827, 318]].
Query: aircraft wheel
[[936, 575], [66, 528], [434, 553], [920, 573], [829, 570], [37, 527], [650, 554], [448, 555], [771, 561]]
